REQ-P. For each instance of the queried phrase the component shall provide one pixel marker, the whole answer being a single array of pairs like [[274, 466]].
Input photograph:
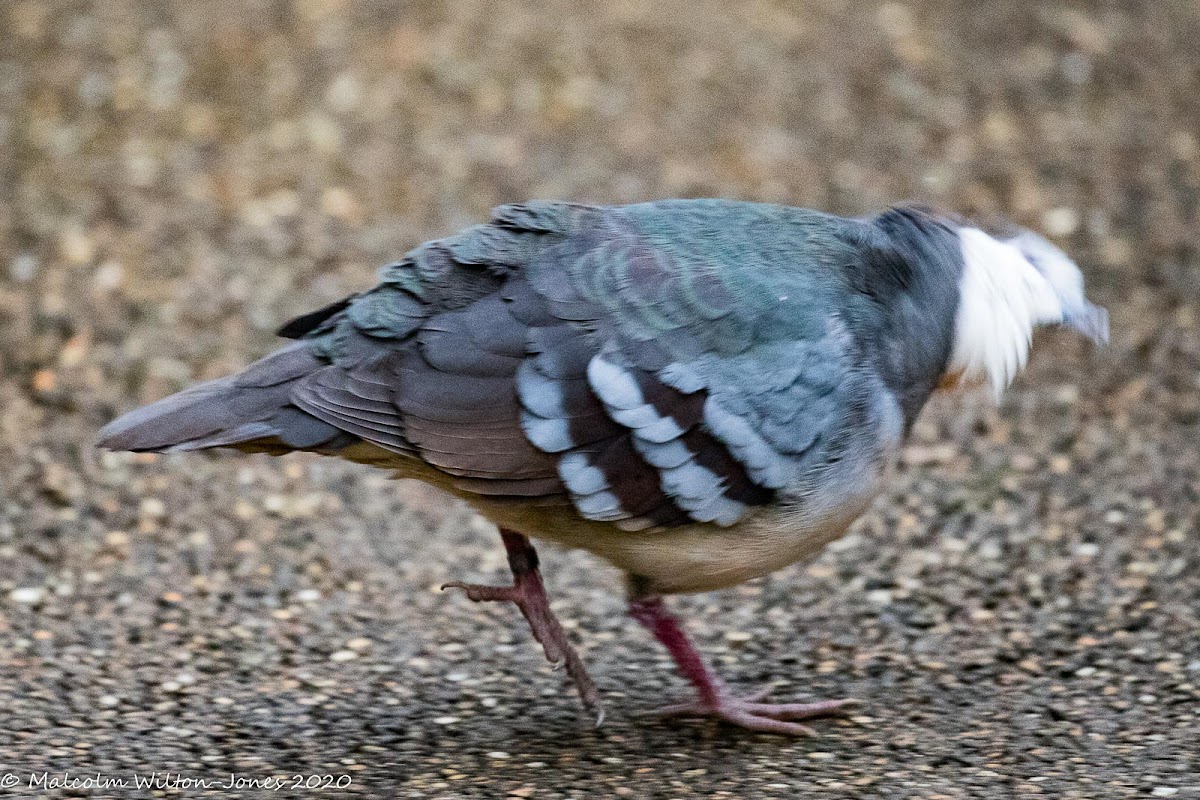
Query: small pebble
[[28, 595], [23, 268], [1060, 221]]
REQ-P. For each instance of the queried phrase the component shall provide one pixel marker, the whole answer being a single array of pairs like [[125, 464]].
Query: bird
[[698, 391]]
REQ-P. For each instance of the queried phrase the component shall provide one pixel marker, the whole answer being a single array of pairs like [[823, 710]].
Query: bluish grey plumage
[[712, 338], [700, 391]]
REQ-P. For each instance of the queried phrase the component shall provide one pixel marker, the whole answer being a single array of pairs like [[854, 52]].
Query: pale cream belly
[[694, 558]]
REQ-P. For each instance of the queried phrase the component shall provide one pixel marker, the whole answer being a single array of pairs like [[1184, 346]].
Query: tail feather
[[251, 410]]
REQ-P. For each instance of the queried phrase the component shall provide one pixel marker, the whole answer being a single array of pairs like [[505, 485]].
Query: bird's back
[[658, 365]]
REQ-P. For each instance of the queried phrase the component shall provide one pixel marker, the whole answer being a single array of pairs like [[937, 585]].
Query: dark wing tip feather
[[305, 324]]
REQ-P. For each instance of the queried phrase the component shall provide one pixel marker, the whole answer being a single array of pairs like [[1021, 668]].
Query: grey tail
[[251, 410]]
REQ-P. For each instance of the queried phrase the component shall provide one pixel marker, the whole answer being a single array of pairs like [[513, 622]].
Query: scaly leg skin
[[529, 595], [715, 699]]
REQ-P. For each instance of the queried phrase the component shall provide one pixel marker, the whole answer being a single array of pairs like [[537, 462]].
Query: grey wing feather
[[251, 410], [726, 405], [558, 351]]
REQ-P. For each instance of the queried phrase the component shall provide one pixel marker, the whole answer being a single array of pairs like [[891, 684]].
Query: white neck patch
[[1001, 298]]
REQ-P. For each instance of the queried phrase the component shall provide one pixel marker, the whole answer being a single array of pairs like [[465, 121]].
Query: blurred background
[[1018, 612]]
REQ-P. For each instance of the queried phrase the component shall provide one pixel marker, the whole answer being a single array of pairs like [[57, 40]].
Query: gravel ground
[[1019, 612]]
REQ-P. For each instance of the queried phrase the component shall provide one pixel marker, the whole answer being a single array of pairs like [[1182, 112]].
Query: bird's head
[[1011, 284]]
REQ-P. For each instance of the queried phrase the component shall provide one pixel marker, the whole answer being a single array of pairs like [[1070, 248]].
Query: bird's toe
[[752, 714]]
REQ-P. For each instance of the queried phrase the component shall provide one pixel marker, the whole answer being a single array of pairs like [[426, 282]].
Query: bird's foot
[[529, 595], [753, 714], [715, 699]]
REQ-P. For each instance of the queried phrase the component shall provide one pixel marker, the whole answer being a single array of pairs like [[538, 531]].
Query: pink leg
[[715, 699], [529, 595]]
